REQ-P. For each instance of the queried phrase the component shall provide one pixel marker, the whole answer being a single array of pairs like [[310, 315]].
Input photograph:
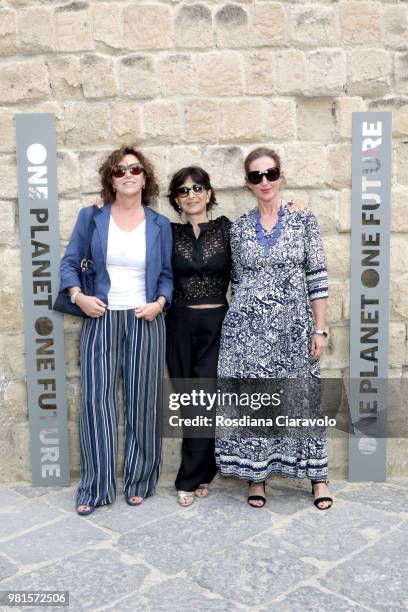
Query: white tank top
[[126, 264]]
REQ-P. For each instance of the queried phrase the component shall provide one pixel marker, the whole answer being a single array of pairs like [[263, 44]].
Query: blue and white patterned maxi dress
[[267, 334]]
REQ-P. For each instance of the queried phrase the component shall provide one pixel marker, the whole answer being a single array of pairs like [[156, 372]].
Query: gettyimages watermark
[[205, 408]]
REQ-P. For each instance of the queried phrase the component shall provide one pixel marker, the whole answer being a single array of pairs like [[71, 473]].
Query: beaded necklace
[[268, 241]]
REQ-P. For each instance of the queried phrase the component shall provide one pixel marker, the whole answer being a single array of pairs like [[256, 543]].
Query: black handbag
[[86, 276]]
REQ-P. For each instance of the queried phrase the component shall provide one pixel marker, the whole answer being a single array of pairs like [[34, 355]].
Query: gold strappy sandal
[[185, 498]]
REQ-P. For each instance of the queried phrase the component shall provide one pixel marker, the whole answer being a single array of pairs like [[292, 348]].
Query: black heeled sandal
[[319, 500], [256, 497]]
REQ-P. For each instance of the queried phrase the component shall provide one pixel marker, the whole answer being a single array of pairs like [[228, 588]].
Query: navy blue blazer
[[159, 242]]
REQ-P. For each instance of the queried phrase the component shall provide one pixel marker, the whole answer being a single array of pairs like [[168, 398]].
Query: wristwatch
[[320, 332], [74, 296]]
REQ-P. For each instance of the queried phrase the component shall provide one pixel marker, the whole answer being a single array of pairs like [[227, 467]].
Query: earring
[[114, 189]]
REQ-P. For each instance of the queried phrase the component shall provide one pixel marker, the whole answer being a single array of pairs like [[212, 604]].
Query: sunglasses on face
[[255, 176], [134, 170], [183, 192]]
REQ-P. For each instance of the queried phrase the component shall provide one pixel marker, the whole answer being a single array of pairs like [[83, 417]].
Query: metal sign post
[[43, 328], [370, 271]]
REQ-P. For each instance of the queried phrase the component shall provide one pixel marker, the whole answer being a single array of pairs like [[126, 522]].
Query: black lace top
[[202, 265]]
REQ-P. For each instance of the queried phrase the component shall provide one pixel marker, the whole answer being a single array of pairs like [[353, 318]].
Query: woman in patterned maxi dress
[[275, 325]]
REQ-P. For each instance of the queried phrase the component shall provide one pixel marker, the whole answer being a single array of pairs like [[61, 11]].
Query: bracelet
[[75, 295], [161, 306], [320, 332]]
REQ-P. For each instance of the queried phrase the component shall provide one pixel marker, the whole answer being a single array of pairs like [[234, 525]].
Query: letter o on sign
[[43, 326], [367, 446], [370, 278], [36, 154]]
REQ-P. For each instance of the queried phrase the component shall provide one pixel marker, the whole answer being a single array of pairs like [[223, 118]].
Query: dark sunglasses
[[134, 169], [255, 177], [183, 192]]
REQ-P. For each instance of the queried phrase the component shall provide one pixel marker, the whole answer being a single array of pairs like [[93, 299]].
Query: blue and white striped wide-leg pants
[[113, 344]]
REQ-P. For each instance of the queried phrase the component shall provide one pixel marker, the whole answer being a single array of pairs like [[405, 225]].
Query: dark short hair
[[199, 176], [261, 152], [151, 190]]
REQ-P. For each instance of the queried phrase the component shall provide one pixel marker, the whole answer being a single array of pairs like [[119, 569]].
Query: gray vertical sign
[[43, 328], [370, 267]]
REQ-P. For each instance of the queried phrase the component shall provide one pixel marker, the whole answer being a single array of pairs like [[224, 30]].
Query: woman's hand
[[99, 203], [90, 305], [318, 346], [149, 311], [298, 205]]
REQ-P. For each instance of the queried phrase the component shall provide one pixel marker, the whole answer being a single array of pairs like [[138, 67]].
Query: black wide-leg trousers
[[192, 346]]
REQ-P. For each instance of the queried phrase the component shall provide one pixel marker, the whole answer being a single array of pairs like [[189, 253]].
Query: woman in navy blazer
[[159, 276], [124, 330]]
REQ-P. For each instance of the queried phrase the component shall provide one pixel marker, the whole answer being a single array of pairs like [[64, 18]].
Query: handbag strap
[[86, 261]]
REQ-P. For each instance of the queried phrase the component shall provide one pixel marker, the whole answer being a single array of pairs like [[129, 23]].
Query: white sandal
[[183, 496], [203, 487]]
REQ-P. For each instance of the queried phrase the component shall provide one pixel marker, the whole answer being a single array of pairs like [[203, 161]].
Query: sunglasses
[[255, 177], [183, 192], [134, 169]]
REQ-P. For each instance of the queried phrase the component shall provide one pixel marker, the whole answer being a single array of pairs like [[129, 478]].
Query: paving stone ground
[[219, 554]]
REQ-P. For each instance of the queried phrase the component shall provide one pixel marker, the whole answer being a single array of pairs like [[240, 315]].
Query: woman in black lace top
[[201, 263]]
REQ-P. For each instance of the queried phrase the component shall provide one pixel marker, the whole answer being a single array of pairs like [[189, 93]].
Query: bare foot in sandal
[[203, 490], [85, 510], [185, 498], [256, 497]]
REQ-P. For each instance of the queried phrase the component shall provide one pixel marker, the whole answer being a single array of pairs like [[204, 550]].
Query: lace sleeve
[[226, 225]]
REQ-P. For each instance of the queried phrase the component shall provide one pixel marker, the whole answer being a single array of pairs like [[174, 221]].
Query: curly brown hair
[[151, 189]]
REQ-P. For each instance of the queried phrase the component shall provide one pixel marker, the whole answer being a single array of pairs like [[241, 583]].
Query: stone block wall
[[202, 82]]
